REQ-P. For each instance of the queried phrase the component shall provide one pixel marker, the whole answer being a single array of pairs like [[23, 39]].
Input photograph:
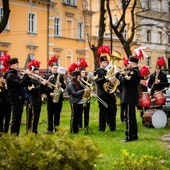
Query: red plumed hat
[[5, 61], [72, 68], [125, 61], [82, 64], [144, 71], [33, 64], [104, 49], [161, 62], [53, 61]]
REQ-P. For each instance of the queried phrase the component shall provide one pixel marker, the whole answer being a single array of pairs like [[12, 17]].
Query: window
[[32, 21], [148, 61], [57, 27], [160, 37], [80, 30], [69, 28], [148, 36], [1, 15], [148, 4], [159, 5], [125, 34], [169, 38], [69, 2]]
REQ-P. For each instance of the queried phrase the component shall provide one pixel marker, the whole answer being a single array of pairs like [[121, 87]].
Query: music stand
[[87, 130]]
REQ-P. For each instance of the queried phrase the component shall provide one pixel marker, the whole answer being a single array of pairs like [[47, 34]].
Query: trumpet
[[39, 78]]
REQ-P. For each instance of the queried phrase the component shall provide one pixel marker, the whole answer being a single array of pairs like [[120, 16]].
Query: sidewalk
[[166, 138]]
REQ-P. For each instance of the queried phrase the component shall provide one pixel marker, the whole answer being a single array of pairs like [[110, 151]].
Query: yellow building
[[40, 29]]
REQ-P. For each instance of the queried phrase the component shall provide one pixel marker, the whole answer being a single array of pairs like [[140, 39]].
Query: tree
[[102, 26], [6, 12]]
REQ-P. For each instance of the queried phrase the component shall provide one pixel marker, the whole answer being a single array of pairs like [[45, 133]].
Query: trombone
[[83, 82]]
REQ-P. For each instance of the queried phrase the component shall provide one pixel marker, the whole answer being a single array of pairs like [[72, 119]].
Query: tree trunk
[[6, 12]]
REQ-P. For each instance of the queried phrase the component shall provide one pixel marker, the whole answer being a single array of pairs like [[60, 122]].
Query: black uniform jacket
[[4, 98], [161, 85], [53, 81], [35, 90], [130, 83], [100, 80], [16, 86]]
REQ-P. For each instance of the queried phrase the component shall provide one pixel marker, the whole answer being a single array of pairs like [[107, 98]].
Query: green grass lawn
[[110, 143]]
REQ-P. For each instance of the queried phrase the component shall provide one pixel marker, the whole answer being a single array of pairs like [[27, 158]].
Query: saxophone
[[57, 90]]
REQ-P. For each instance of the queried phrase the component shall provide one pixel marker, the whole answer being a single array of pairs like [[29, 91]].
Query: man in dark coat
[[130, 83], [54, 96], [107, 115], [16, 94]]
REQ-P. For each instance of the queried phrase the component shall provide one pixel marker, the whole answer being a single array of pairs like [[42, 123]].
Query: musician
[[144, 72], [5, 114], [54, 107], [158, 80], [107, 115], [75, 92], [35, 88], [15, 86], [122, 105], [86, 105]]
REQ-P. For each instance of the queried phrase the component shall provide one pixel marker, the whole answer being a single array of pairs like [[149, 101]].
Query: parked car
[[166, 106]]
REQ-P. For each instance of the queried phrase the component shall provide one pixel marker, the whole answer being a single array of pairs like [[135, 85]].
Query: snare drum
[[144, 99], [159, 98], [157, 118]]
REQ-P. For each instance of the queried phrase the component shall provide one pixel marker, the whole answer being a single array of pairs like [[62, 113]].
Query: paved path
[[166, 138]]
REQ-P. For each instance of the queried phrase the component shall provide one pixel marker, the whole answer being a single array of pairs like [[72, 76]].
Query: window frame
[[57, 27], [32, 29]]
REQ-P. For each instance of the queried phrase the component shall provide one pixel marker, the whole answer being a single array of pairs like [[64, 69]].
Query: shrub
[[52, 152]]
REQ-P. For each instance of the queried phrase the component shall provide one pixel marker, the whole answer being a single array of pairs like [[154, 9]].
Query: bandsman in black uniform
[[107, 115], [158, 80], [36, 89], [54, 95], [130, 83], [16, 86], [5, 113]]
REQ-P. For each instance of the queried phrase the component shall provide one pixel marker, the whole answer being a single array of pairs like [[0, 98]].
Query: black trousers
[[5, 116], [86, 110], [54, 112], [35, 120], [29, 116], [17, 110], [131, 123], [107, 116], [76, 109]]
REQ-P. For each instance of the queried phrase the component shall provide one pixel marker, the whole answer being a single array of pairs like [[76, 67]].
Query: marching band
[[137, 87]]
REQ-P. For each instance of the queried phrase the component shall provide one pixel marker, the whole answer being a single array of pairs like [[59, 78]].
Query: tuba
[[111, 85]]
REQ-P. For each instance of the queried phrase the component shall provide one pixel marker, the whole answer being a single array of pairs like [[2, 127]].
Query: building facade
[[40, 29]]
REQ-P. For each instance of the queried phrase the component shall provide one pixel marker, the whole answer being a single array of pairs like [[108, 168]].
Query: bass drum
[[157, 118]]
